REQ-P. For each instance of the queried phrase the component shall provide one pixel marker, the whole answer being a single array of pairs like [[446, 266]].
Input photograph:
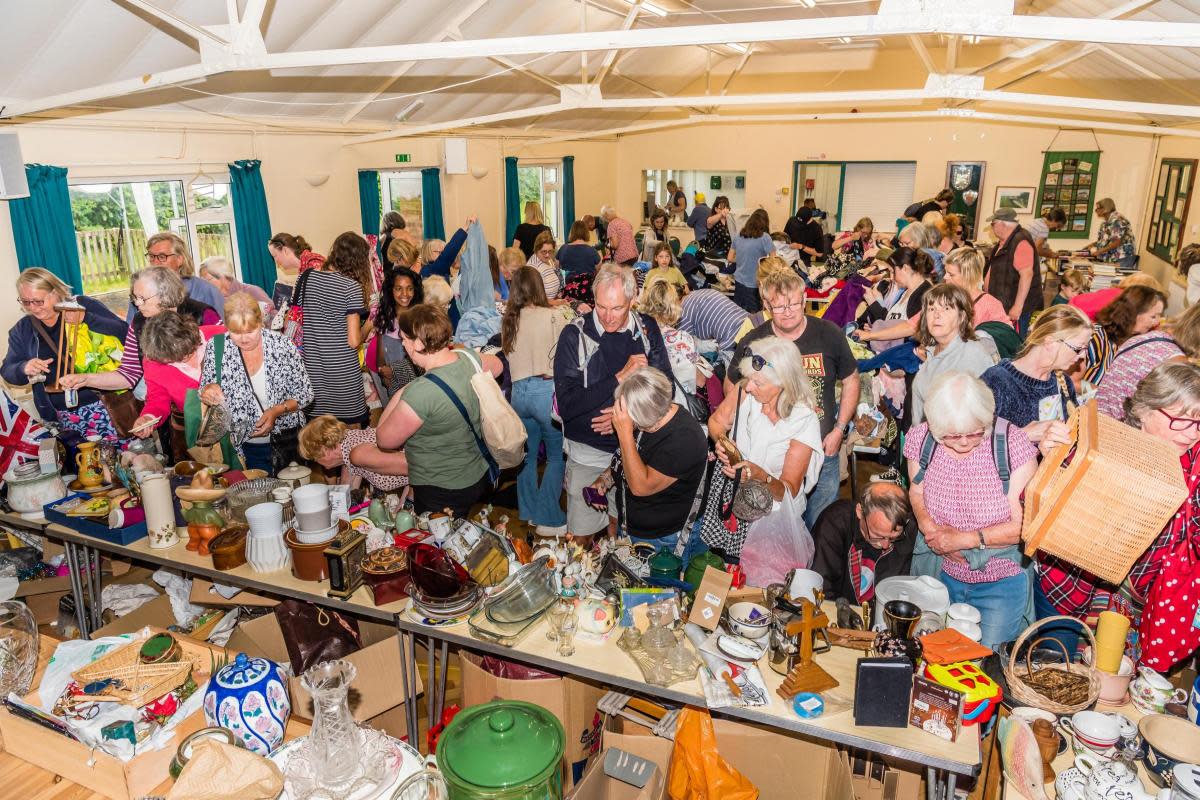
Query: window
[[114, 220], [851, 190], [1172, 196], [401, 191], [540, 183], [711, 184]]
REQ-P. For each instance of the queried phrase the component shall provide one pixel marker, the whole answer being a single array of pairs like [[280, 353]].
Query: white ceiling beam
[[1074, 29], [157, 80], [508, 63], [1142, 69], [866, 116], [922, 52], [252, 17], [467, 122], [454, 24], [176, 23], [952, 53], [1032, 51], [610, 57], [737, 69]]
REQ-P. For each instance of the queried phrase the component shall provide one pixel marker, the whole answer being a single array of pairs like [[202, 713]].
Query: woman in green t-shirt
[[446, 468]]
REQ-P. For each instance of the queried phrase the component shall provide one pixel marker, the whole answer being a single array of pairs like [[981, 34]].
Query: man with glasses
[[860, 544], [165, 249], [827, 360]]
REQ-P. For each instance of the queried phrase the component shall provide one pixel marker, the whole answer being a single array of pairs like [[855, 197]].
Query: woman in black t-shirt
[[664, 452], [527, 232]]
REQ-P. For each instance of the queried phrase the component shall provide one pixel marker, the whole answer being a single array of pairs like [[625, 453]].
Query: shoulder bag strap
[[43, 332], [298, 289], [493, 467], [927, 448], [1000, 452], [1136, 345]]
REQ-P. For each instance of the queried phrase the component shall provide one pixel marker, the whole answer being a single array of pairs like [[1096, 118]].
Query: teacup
[[1094, 731], [1151, 691], [1113, 688]]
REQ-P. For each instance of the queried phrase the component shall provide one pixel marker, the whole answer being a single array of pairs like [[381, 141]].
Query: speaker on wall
[[12, 168], [456, 156]]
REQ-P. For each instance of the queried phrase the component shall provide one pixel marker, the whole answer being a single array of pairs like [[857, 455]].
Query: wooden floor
[[20, 780]]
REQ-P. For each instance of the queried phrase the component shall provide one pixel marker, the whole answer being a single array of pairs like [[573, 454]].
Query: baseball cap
[[1003, 215]]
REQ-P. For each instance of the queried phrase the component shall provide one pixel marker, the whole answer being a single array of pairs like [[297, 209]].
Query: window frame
[[385, 195], [192, 215], [551, 217], [1161, 220]]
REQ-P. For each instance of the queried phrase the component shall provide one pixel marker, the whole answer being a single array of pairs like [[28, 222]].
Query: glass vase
[[18, 648], [335, 740]]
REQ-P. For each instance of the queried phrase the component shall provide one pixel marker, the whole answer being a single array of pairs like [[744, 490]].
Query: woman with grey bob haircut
[[664, 457], [1171, 386]]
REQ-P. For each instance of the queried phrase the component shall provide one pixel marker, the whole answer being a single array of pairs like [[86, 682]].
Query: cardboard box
[[877, 778], [94, 769], [156, 614], [596, 785], [42, 595], [376, 689], [203, 595], [571, 700]]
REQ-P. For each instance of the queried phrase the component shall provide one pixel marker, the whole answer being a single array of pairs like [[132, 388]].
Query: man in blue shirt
[[165, 249], [698, 219]]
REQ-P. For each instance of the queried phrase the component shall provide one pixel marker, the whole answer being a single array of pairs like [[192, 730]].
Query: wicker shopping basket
[[1100, 501], [1058, 688]]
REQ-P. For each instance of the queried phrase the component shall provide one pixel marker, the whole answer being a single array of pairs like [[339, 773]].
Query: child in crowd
[[1072, 283], [333, 444], [662, 268]]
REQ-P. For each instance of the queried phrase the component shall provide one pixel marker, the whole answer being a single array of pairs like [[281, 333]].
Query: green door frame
[[841, 185]]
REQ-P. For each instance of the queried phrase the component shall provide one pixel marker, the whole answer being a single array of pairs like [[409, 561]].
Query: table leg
[[931, 784], [853, 475], [97, 606], [444, 656], [85, 553], [76, 589], [430, 692], [413, 716], [405, 686], [951, 780]]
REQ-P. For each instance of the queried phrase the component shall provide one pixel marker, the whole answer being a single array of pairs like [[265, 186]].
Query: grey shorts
[[582, 519]]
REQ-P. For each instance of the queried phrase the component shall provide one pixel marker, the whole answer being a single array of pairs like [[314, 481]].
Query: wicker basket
[[1018, 676], [144, 683], [1081, 511]]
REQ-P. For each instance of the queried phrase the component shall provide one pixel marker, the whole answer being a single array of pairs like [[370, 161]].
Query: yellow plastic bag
[[95, 352], [697, 770]]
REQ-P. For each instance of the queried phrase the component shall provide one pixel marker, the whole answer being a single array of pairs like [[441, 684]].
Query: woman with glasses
[[1032, 390], [947, 332], [546, 265], [1166, 405], [33, 348], [772, 420], [968, 514], [155, 290], [1143, 352]]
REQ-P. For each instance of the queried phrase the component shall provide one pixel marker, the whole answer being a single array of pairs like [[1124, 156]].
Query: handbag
[[493, 469], [721, 529], [314, 634], [206, 428], [293, 315], [697, 406], [503, 431]]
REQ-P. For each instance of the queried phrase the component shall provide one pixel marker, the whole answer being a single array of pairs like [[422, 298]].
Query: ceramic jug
[[1111, 780], [87, 460]]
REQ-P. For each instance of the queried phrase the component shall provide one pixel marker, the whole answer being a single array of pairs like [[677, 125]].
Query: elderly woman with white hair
[[775, 431], [219, 272], [663, 458], [1115, 241], [967, 470], [926, 238]]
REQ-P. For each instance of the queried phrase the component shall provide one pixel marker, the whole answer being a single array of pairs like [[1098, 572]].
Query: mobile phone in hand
[[594, 497]]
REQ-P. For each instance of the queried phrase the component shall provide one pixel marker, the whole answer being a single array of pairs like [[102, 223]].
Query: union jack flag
[[19, 434]]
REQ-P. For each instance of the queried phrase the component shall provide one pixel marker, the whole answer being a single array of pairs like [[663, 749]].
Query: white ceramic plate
[[740, 648], [405, 761]]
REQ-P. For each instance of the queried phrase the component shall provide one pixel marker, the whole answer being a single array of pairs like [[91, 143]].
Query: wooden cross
[[806, 675]]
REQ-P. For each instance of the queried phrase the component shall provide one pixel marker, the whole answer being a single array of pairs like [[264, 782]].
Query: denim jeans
[[829, 483], [1066, 632], [1001, 604], [258, 456], [538, 503], [669, 541], [747, 297]]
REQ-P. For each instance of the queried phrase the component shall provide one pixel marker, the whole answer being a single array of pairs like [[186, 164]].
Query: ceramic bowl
[[308, 560], [315, 537], [528, 593], [749, 619], [1169, 741]]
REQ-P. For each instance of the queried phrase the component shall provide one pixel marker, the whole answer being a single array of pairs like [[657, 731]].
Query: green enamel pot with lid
[[503, 750]]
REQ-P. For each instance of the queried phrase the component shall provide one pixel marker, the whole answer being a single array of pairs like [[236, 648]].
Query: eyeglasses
[[158, 258], [963, 437], [140, 301], [31, 303], [1180, 424], [1076, 350], [757, 361], [788, 308]]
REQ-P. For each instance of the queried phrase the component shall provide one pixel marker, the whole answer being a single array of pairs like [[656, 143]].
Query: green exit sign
[[403, 158]]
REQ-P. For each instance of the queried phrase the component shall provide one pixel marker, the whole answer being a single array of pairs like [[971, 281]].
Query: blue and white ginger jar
[[250, 698]]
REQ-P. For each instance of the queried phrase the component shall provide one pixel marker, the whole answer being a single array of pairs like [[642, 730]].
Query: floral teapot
[[1109, 780]]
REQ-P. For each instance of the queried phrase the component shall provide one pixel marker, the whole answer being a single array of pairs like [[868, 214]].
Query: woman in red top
[[173, 348]]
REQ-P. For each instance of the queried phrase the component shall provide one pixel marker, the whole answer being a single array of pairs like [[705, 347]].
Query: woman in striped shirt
[[334, 299], [547, 266]]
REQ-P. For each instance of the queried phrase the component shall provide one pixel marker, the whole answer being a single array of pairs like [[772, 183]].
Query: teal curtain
[[512, 199], [252, 223], [568, 195], [369, 205], [431, 204], [43, 227]]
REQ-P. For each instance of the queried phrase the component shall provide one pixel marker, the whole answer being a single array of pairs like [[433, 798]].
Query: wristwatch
[[982, 543]]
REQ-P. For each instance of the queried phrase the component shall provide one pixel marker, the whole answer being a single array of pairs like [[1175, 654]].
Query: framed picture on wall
[[1069, 178], [1019, 199], [965, 179]]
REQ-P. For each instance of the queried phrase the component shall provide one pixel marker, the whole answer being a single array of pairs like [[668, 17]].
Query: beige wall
[[767, 151]]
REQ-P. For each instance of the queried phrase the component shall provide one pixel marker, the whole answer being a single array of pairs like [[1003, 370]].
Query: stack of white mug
[[313, 522]]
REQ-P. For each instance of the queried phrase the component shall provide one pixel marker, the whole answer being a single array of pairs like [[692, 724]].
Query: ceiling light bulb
[[409, 109]]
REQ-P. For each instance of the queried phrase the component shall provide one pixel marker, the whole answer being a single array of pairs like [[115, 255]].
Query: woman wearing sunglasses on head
[[775, 432], [1033, 390], [967, 470], [1158, 593]]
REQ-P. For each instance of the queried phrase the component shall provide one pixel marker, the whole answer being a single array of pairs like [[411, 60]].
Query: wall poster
[[965, 179], [1069, 182]]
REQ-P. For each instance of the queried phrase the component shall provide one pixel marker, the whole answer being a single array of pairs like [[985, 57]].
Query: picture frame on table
[[1018, 198]]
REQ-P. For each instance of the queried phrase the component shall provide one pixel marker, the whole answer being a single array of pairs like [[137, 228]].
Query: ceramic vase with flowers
[[249, 697]]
